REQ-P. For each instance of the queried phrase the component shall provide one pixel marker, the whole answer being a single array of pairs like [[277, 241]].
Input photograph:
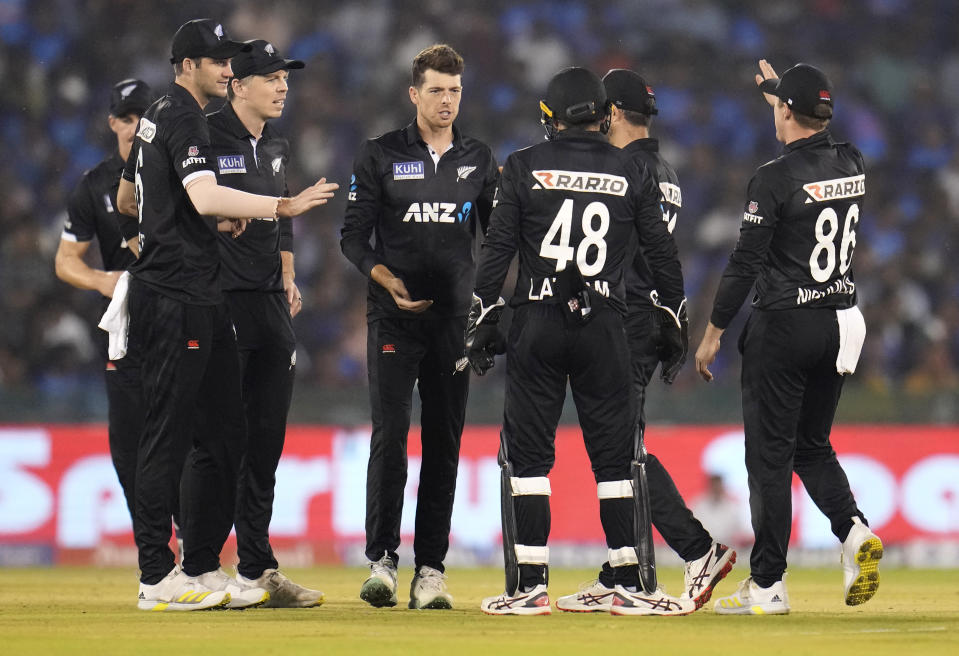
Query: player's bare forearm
[[71, 269]]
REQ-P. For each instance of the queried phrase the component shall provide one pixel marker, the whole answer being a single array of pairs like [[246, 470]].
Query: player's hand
[[483, 340], [108, 282], [673, 343], [706, 353], [312, 196], [293, 296], [404, 301], [768, 73]]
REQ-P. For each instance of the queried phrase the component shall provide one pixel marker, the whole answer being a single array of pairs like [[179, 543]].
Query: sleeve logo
[[408, 171]]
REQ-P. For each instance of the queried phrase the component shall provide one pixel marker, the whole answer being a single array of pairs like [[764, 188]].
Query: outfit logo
[[437, 213], [824, 95], [463, 172], [599, 183], [269, 49], [127, 90], [352, 195], [231, 164], [147, 130], [389, 348], [408, 171], [838, 188], [192, 151], [193, 344], [218, 31], [276, 164], [753, 207]]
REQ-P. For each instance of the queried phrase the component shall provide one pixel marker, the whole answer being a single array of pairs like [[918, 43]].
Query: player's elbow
[[61, 266]]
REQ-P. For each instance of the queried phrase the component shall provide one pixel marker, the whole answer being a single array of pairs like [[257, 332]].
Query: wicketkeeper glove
[[483, 338], [673, 341]]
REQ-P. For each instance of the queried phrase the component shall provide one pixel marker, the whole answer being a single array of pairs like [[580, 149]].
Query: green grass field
[[90, 611]]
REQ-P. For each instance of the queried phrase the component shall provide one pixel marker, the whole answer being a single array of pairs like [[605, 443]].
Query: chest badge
[[231, 164], [463, 172], [408, 171]]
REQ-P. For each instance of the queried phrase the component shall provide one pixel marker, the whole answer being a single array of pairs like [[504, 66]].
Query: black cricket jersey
[[251, 262], [576, 201], [424, 218], [178, 249], [798, 233], [639, 279], [91, 212]]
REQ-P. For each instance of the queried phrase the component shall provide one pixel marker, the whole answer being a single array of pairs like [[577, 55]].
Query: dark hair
[[440, 58], [636, 118], [822, 111]]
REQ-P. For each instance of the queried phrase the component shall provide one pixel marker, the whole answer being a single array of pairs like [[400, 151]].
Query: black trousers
[[790, 394], [401, 352], [672, 518], [125, 419], [264, 334], [191, 383], [545, 350]]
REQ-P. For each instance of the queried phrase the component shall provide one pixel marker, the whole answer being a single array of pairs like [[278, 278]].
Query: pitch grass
[[89, 611]]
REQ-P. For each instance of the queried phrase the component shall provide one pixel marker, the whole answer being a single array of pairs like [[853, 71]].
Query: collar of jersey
[[815, 140], [412, 134], [650, 144], [235, 126]]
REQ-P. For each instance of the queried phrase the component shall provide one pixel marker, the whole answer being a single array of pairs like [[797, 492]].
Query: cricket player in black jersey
[[796, 242], [180, 325], [569, 206], [424, 190], [256, 274], [91, 213], [632, 106]]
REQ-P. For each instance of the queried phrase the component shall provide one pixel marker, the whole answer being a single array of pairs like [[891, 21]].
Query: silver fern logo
[[464, 171]]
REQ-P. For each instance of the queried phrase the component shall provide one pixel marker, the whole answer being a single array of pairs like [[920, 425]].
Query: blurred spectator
[[723, 514]]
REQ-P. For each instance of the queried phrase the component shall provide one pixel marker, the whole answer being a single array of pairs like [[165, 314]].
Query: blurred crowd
[[894, 66]]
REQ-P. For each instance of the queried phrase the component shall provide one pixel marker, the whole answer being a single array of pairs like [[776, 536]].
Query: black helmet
[[575, 95]]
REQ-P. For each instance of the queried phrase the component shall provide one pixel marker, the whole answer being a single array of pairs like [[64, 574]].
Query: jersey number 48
[[556, 246]]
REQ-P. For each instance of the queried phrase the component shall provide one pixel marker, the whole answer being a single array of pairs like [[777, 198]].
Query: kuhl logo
[[408, 171], [231, 164]]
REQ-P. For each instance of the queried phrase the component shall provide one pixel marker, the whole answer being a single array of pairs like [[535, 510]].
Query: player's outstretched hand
[[768, 73], [312, 196], [404, 301]]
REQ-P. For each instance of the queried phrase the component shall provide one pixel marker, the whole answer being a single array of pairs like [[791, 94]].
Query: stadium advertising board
[[60, 501]]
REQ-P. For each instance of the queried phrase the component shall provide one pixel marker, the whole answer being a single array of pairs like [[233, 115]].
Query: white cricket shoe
[[177, 591], [380, 588], [284, 593], [534, 602], [428, 590], [641, 602], [242, 595], [750, 599], [704, 573], [592, 597], [861, 553]]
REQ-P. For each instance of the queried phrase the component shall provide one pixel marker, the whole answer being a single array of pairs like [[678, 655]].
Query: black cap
[[261, 59], [130, 96], [627, 90], [575, 95], [802, 87], [203, 37]]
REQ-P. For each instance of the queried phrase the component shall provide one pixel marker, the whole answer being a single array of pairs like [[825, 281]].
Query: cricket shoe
[[861, 552], [534, 602], [750, 599], [626, 602], [379, 589], [284, 593], [177, 591], [428, 590], [592, 597], [242, 595], [704, 573]]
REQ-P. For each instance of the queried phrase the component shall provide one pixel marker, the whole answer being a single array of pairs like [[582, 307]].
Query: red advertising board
[[58, 490]]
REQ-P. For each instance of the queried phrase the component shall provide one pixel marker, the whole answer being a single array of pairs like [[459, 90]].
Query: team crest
[[276, 164], [218, 31], [147, 130], [463, 172]]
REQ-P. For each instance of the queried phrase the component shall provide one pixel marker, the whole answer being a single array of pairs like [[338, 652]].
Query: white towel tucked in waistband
[[116, 320], [852, 333]]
